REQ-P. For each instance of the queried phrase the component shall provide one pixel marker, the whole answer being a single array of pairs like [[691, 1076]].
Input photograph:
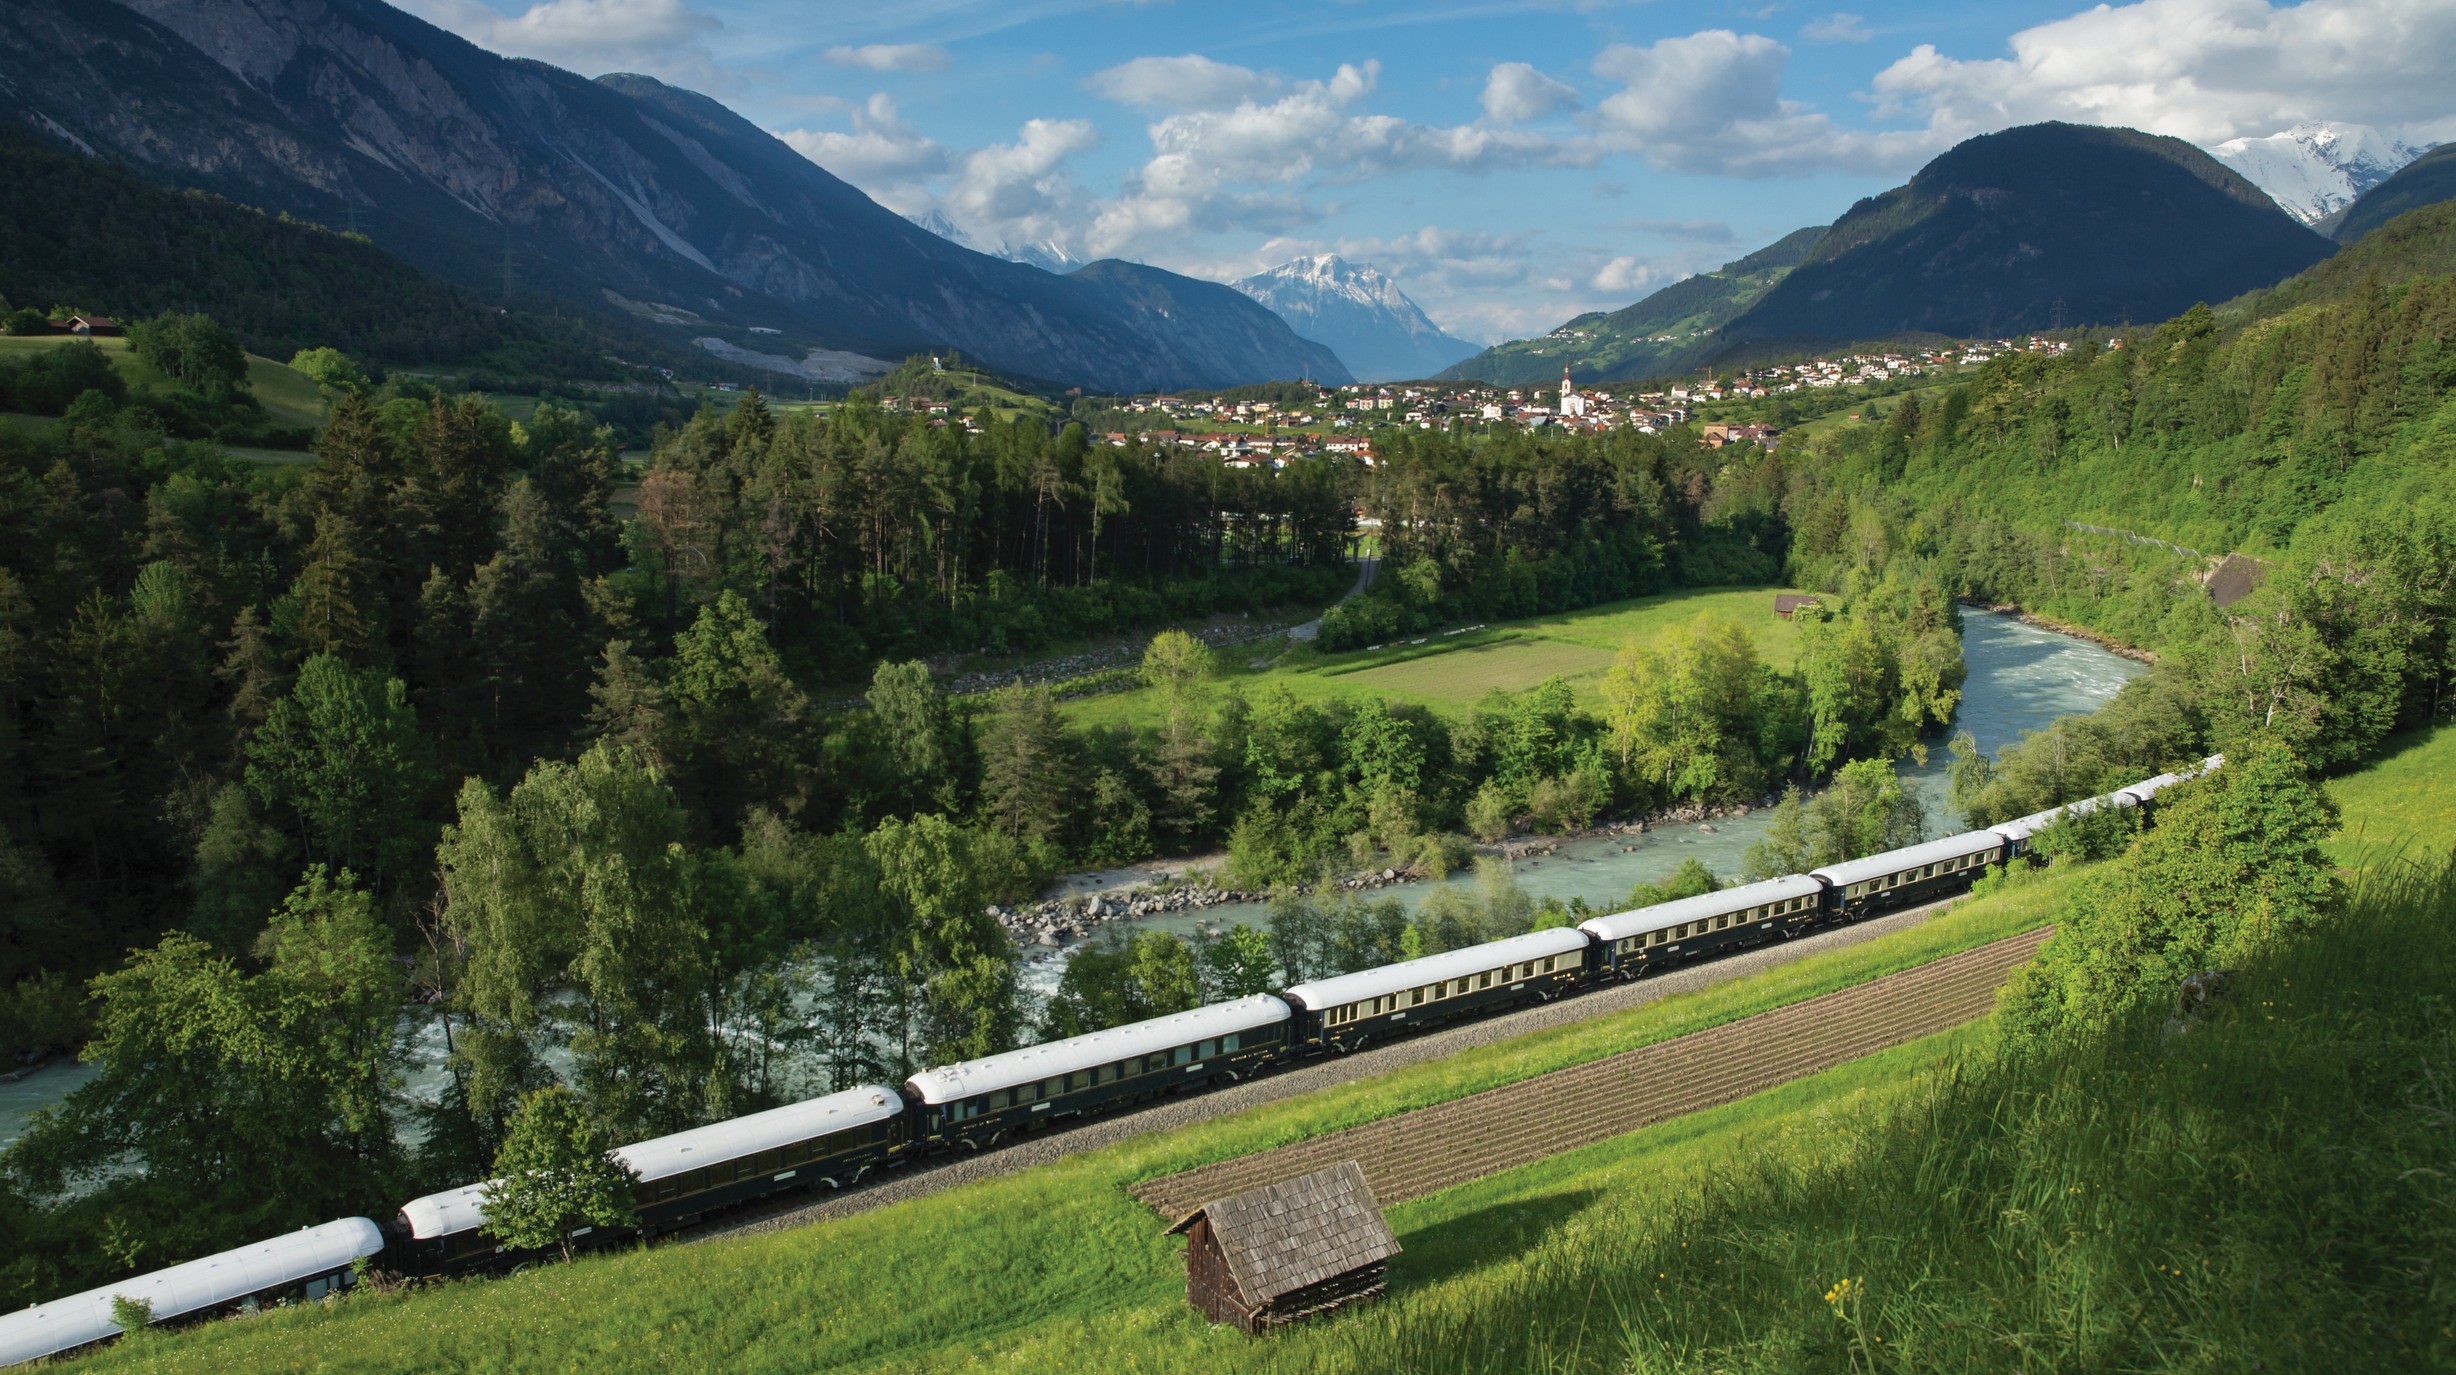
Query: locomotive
[[835, 1140]]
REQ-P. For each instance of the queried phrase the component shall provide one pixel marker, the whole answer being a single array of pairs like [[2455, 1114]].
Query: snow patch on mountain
[[1048, 256], [1360, 313], [2317, 169]]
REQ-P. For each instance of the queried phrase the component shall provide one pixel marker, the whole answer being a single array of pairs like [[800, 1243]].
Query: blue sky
[[1510, 162]]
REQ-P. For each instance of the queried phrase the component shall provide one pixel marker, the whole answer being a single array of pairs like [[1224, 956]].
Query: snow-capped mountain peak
[[1360, 313], [2317, 169], [1049, 256]]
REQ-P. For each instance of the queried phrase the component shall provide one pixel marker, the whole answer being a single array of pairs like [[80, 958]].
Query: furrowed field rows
[[1434, 1148]]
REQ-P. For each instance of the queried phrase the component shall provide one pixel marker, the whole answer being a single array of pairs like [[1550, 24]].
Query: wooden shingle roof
[[1285, 1236]]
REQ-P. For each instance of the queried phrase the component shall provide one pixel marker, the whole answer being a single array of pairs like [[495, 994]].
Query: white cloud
[[1712, 102], [883, 154], [891, 57], [1839, 27], [1628, 276], [2204, 70], [663, 38], [1516, 93], [1020, 191], [1252, 165], [1190, 82]]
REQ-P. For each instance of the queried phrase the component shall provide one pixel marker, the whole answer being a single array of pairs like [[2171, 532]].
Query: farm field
[[1028, 1262], [1450, 672]]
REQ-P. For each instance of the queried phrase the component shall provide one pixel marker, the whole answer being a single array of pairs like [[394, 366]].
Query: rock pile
[[1055, 921]]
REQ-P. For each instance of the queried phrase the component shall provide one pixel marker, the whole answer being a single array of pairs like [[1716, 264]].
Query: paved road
[[1171, 1114]]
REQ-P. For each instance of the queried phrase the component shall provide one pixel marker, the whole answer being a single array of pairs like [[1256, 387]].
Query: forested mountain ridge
[[482, 169], [2427, 180], [2031, 229], [138, 249], [1651, 338]]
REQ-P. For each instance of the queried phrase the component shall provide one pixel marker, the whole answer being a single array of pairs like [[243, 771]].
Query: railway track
[[924, 1177], [1434, 1148]]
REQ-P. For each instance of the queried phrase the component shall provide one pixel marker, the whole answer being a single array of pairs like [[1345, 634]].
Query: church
[[1573, 406]]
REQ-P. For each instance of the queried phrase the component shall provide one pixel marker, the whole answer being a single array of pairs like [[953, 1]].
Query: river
[[2021, 677]]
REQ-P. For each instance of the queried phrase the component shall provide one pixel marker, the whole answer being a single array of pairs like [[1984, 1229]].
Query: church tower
[[1572, 405]]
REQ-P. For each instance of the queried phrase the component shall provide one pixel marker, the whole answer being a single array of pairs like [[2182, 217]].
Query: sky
[[1511, 163]]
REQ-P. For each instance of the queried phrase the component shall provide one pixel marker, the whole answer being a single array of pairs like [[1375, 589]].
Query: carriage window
[[1485, 981], [1184, 1055], [1416, 999]]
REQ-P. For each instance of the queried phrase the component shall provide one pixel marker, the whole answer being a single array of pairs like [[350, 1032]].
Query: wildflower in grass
[[1843, 1291]]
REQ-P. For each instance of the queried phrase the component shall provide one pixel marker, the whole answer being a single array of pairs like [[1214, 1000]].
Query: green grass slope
[[1649, 338], [2427, 180], [290, 398], [1057, 1268]]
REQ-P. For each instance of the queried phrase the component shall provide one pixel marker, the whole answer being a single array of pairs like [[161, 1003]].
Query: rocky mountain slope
[[1360, 314], [2426, 180], [2314, 170], [1658, 335], [621, 192], [2029, 229]]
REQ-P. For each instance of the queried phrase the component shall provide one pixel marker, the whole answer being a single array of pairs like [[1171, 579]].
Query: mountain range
[[621, 194], [2427, 180], [1048, 255], [2316, 169], [2028, 229], [1360, 314]]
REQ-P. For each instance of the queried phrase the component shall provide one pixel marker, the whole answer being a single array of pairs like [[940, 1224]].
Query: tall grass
[[2270, 1186]]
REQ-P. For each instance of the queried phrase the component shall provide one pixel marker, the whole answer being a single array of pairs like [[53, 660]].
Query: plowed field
[[1433, 1148]]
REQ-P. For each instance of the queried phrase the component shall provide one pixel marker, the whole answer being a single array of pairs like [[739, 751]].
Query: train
[[835, 1141]]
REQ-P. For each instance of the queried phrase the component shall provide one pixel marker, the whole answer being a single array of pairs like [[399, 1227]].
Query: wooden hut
[[1789, 604], [1288, 1250]]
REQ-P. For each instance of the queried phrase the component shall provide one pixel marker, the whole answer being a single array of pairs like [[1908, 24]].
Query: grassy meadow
[[2401, 810], [290, 397], [1450, 672], [1057, 1267]]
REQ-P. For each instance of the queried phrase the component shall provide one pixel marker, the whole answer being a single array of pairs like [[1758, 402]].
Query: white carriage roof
[[453, 1210], [699, 1147], [1451, 964], [1030, 1065], [1622, 925], [274, 1263], [2023, 827], [1852, 871], [2150, 787]]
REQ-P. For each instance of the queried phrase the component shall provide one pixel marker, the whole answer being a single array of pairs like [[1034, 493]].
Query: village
[[1341, 421]]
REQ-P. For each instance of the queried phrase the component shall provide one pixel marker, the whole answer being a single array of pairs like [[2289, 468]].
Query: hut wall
[[1354, 1286], [1209, 1285]]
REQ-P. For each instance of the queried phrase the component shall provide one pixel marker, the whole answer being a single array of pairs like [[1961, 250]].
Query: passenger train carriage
[[835, 1140], [1342, 1013], [306, 1264], [975, 1103], [1627, 944], [832, 1140], [1907, 877]]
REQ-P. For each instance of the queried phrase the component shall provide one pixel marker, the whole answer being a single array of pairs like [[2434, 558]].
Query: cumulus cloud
[[1837, 28], [1251, 165], [1190, 82], [883, 154], [664, 38], [891, 57], [1628, 275], [1516, 93], [1712, 102], [2204, 70]]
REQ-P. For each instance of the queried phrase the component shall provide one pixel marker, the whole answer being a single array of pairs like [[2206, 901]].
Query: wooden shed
[[1288, 1250], [1788, 604]]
